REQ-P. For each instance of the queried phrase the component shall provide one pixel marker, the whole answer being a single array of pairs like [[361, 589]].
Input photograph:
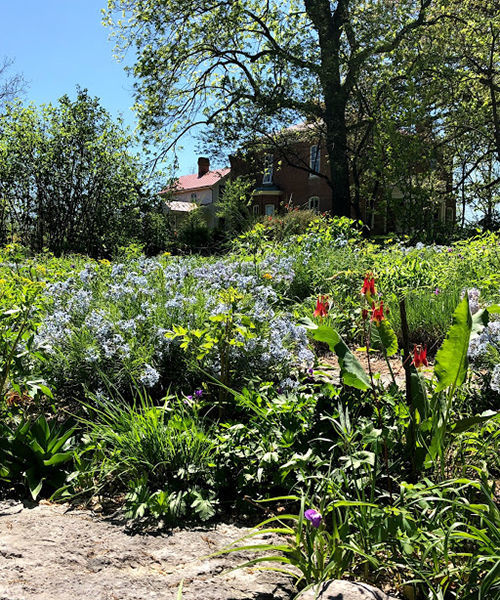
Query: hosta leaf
[[383, 334], [451, 360], [351, 370]]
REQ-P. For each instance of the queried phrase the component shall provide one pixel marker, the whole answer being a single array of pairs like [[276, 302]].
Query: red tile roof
[[193, 182]]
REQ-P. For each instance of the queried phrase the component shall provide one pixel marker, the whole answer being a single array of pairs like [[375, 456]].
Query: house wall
[[207, 198], [297, 185], [203, 196]]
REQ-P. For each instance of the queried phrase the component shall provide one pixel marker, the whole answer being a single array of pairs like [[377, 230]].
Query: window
[[313, 203], [194, 197], [256, 210], [268, 169], [269, 210], [314, 156]]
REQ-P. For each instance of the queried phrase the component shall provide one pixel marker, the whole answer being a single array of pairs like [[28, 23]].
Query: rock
[[340, 589]]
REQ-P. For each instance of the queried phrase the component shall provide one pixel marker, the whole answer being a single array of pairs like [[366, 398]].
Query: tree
[[468, 33], [68, 180], [11, 86], [235, 206], [231, 64]]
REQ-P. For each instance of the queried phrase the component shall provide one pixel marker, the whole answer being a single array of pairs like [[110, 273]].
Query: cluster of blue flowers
[[115, 317], [484, 349]]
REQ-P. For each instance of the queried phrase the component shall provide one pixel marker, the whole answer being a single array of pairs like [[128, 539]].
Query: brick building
[[293, 171], [297, 174], [277, 183]]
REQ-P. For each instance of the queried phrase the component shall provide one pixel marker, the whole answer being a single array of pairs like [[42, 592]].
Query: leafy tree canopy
[[233, 63], [68, 179]]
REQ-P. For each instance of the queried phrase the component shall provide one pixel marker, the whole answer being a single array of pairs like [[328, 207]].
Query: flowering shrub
[[115, 319], [484, 348]]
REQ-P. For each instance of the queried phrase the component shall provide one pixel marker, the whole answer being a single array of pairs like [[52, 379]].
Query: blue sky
[[59, 44]]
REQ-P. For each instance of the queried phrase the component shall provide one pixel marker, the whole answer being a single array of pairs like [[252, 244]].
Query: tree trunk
[[329, 27], [336, 146]]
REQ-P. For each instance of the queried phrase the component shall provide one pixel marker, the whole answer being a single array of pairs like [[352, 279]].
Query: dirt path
[[52, 553]]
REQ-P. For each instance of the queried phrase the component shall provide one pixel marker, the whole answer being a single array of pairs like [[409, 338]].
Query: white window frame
[[313, 203], [314, 159], [256, 210], [268, 169], [194, 197], [272, 211]]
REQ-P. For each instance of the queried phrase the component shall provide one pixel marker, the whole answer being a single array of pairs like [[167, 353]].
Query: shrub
[[119, 319]]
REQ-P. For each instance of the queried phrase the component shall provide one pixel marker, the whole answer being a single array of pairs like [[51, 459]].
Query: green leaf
[[418, 393], [383, 335], [351, 370], [451, 360], [35, 482], [465, 424], [479, 321], [57, 459], [203, 507]]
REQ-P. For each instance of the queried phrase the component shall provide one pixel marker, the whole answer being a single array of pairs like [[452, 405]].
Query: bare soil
[[378, 364], [53, 552]]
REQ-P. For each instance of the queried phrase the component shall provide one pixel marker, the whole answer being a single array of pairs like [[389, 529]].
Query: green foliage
[[20, 308], [35, 454], [352, 372], [223, 331], [404, 481], [171, 508], [234, 206], [193, 232], [310, 554], [70, 159], [451, 359], [384, 338], [294, 222], [163, 454]]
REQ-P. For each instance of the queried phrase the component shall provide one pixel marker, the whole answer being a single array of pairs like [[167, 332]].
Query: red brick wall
[[296, 184]]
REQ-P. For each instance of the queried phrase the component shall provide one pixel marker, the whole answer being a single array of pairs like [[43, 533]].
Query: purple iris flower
[[198, 393], [314, 517]]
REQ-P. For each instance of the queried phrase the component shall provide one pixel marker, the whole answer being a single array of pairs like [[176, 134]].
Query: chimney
[[203, 166]]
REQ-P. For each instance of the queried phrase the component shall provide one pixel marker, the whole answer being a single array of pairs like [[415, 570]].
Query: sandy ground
[[53, 553]]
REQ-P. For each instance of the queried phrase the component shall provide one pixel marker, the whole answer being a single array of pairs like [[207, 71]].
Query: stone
[[340, 589]]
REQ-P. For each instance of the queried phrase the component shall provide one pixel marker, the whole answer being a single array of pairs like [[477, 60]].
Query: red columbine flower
[[378, 313], [321, 307], [368, 288], [419, 357]]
